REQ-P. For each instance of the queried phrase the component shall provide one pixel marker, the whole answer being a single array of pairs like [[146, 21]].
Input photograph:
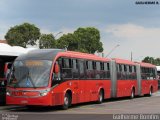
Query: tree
[[83, 40], [68, 41], [47, 41], [149, 60], [88, 40], [23, 35], [157, 60]]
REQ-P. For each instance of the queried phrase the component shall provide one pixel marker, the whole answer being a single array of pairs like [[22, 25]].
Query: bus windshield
[[30, 73]]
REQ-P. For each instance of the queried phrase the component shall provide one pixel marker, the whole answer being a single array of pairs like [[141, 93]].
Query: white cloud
[[142, 41], [131, 31], [46, 31]]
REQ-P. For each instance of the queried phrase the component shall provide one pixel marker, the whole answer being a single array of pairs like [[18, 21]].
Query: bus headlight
[[44, 92]]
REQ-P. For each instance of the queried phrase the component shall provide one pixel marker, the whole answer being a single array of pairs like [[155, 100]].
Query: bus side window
[[119, 71], [89, 69], [97, 71], [66, 69], [127, 72], [81, 69], [143, 73], [106, 71], [75, 69], [134, 72], [123, 72], [153, 73], [102, 72]]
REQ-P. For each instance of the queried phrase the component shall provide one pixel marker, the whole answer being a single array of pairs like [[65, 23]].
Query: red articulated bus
[[58, 77]]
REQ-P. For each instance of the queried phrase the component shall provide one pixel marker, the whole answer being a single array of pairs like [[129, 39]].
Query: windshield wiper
[[24, 75], [31, 80]]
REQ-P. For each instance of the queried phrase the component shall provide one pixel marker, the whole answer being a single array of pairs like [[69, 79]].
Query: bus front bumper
[[37, 101]]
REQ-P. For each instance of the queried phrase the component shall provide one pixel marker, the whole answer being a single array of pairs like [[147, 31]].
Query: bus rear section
[[158, 76], [148, 78], [58, 77]]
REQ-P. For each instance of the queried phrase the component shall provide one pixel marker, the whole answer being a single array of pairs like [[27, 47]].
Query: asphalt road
[[138, 105]]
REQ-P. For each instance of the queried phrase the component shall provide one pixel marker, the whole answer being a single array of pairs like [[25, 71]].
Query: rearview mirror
[[56, 68]]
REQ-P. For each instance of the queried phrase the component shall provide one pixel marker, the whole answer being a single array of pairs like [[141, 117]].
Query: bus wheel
[[100, 97], [67, 101], [132, 94]]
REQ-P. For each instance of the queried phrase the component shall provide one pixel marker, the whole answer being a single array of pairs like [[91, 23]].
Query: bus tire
[[67, 101], [100, 97], [132, 94]]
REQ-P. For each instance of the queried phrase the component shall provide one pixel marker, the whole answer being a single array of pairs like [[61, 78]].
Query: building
[[3, 41], [7, 55]]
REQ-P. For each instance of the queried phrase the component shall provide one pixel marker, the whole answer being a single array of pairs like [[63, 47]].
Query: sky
[[133, 28]]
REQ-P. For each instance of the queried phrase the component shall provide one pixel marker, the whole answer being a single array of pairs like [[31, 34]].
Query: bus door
[[91, 82], [83, 87], [145, 80], [67, 77], [75, 86]]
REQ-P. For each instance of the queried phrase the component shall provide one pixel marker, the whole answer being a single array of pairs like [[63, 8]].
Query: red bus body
[[148, 83], [83, 88], [125, 84]]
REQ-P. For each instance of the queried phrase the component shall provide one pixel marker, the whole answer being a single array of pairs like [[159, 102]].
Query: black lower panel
[[2, 94]]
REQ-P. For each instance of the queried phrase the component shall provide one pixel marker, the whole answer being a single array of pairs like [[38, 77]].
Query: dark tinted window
[[148, 73], [98, 70], [81, 69], [102, 65], [66, 68], [75, 69], [89, 70]]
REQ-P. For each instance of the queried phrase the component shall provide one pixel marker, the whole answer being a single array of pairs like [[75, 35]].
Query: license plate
[[24, 101]]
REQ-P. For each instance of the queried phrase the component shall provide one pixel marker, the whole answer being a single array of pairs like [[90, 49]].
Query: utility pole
[[131, 56]]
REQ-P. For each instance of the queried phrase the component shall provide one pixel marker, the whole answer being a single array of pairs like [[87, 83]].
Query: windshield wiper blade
[[31, 81], [19, 81]]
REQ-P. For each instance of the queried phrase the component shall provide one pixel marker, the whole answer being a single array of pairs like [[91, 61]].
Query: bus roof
[[143, 64], [44, 54], [79, 55], [50, 54], [122, 61]]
